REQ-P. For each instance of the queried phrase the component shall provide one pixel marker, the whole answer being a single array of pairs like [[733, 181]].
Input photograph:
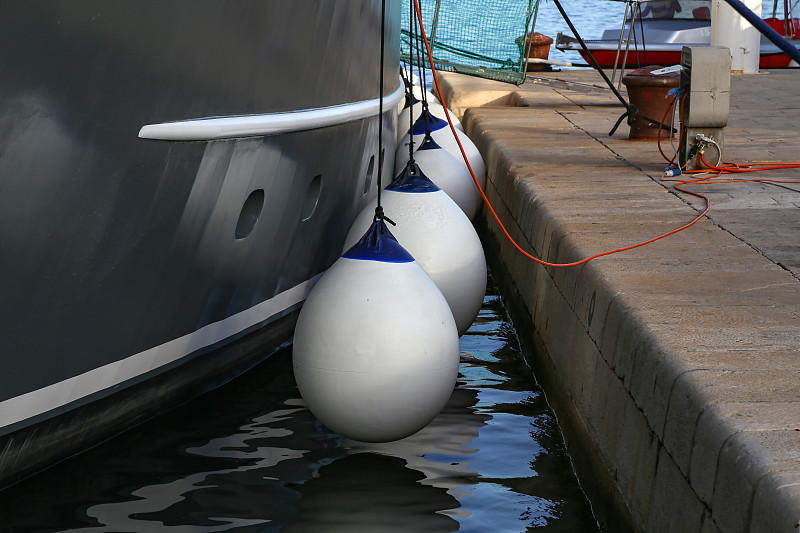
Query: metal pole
[[786, 16], [619, 44], [631, 37], [630, 110], [529, 37], [435, 24]]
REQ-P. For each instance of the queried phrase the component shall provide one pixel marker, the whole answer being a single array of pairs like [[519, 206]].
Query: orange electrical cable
[[671, 125], [737, 168], [658, 135], [730, 169], [766, 163], [494, 213]]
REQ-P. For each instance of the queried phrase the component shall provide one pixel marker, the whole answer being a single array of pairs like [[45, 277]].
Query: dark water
[[250, 457]]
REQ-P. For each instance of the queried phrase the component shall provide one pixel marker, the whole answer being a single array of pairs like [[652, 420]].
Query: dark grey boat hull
[[135, 273]]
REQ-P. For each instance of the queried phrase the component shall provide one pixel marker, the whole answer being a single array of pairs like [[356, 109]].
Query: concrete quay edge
[[674, 368]]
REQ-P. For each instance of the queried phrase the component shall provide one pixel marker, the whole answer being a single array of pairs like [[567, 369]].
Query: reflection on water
[[250, 457]]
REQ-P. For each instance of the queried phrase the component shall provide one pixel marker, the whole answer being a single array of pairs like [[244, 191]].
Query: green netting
[[484, 38]]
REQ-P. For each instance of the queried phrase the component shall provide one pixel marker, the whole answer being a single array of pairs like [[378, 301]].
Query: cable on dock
[[494, 213], [727, 168]]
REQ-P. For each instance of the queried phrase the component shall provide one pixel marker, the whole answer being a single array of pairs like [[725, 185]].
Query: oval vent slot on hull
[[312, 197], [251, 211], [370, 172]]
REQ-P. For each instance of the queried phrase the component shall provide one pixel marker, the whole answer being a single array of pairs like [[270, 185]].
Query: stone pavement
[[674, 367]]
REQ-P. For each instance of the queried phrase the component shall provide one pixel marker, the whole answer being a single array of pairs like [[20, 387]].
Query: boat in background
[[174, 177], [661, 28]]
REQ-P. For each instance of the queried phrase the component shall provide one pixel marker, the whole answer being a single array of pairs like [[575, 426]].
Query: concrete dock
[[674, 367]]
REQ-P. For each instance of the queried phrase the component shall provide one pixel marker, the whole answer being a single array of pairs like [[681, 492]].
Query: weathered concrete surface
[[674, 367]]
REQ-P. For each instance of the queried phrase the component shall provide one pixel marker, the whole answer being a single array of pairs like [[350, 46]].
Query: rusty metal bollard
[[648, 93]]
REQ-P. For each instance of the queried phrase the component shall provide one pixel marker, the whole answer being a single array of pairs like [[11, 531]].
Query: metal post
[[635, 8], [529, 38], [434, 24], [619, 44]]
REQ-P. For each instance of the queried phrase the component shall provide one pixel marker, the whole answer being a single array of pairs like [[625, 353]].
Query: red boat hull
[[607, 58]]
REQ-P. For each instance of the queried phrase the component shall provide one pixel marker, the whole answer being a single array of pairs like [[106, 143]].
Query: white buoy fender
[[440, 237], [403, 120], [443, 135], [376, 348], [446, 172]]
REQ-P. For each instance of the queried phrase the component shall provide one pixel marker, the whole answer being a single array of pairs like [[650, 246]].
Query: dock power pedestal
[[706, 75]]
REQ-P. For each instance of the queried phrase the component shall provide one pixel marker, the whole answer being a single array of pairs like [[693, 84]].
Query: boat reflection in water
[[250, 457]]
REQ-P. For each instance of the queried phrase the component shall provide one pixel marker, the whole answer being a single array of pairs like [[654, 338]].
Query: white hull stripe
[[75, 388], [208, 129]]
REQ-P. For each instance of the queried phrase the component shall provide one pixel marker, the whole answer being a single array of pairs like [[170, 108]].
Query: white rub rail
[[208, 129]]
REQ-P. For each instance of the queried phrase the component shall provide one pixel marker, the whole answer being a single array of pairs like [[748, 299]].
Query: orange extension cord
[[720, 170], [727, 168]]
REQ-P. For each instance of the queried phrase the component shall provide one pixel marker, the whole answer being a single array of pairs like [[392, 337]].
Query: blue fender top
[[412, 179], [428, 143], [410, 100], [427, 122], [378, 244]]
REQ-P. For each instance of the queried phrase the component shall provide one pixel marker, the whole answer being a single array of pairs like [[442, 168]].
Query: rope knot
[[379, 215]]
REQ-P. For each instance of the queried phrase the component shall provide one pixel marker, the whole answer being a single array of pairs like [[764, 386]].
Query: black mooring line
[[631, 110]]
